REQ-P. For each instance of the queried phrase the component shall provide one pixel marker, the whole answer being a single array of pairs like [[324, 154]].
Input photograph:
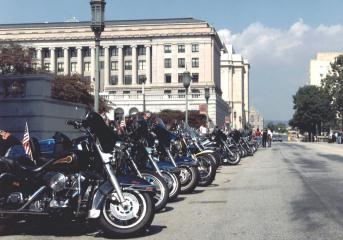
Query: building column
[[79, 61], [66, 60], [39, 58], [52, 60], [120, 66], [148, 63], [106, 66], [92, 63], [134, 65]]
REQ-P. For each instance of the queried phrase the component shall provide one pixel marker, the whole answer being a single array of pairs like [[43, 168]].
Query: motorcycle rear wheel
[[173, 183]]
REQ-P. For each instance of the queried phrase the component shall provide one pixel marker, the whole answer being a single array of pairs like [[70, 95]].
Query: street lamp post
[[97, 26], [143, 91], [207, 97], [186, 79]]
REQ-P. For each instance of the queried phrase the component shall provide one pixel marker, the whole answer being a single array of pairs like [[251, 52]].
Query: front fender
[[203, 152], [185, 161]]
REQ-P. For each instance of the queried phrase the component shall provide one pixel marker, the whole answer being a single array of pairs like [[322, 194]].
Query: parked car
[[277, 138]]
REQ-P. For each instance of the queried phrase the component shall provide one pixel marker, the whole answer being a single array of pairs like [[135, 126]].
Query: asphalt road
[[289, 191]]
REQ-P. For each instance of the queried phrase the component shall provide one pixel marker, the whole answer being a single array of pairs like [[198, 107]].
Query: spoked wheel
[[189, 178], [162, 192], [206, 169], [134, 216], [234, 158], [173, 183]]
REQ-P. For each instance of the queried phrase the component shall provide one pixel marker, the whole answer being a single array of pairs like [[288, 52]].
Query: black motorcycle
[[78, 185]]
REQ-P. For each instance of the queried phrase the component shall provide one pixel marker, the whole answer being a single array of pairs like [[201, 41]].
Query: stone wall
[[27, 98]]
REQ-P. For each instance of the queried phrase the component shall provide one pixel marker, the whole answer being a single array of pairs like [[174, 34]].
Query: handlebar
[[75, 123]]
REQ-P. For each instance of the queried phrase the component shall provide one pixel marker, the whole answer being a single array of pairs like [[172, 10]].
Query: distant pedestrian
[[203, 130], [264, 137], [270, 137], [258, 136]]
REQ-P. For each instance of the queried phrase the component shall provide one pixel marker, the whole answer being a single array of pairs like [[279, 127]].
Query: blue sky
[[278, 37]]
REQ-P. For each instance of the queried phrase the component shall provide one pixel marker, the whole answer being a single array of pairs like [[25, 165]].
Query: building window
[[101, 52], [102, 65], [139, 92], [33, 53], [34, 66], [128, 65], [195, 62], [128, 79], [167, 63], [60, 67], [195, 47], [141, 78], [195, 93], [167, 78], [87, 78], [182, 93], [181, 48], [168, 92], [87, 66], [167, 48], [114, 51], [181, 63], [141, 64], [73, 67], [126, 92], [141, 51], [114, 80], [114, 65], [47, 66], [46, 53], [87, 52], [127, 51], [73, 52], [59, 52], [195, 77], [180, 78], [112, 92]]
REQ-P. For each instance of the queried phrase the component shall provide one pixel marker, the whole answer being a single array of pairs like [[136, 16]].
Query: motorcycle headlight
[[56, 181]]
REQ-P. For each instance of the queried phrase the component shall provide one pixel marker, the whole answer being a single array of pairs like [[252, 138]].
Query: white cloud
[[280, 58]]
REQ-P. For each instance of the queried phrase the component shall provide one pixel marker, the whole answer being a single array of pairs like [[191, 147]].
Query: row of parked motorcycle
[[119, 182]]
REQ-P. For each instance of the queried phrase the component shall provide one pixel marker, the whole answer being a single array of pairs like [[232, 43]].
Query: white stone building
[[157, 50], [235, 85], [255, 119], [320, 66]]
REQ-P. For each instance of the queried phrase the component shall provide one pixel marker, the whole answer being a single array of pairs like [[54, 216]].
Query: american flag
[[26, 141]]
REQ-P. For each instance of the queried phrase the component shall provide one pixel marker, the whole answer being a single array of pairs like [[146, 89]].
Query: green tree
[[15, 59], [332, 85], [312, 107], [77, 89]]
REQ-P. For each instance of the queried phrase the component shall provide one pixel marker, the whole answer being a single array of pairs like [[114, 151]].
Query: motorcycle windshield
[[164, 136], [192, 133]]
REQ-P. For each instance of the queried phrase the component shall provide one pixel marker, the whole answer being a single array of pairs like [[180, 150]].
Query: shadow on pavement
[[312, 164], [332, 157], [67, 229], [166, 209]]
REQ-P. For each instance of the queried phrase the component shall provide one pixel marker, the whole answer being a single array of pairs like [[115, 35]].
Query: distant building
[[235, 85], [255, 119], [320, 66], [155, 50]]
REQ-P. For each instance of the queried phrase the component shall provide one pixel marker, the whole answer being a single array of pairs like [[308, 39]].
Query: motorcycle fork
[[106, 159], [133, 164], [171, 157], [158, 170]]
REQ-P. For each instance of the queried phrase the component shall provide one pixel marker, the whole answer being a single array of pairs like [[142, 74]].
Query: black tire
[[162, 195], [173, 183], [234, 158], [189, 178], [113, 217], [207, 169]]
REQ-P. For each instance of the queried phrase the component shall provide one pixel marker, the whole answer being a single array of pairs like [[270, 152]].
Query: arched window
[[133, 111]]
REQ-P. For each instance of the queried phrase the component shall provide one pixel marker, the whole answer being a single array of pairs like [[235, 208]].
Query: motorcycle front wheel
[[129, 220], [234, 158], [162, 192], [173, 183], [207, 169], [189, 178]]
